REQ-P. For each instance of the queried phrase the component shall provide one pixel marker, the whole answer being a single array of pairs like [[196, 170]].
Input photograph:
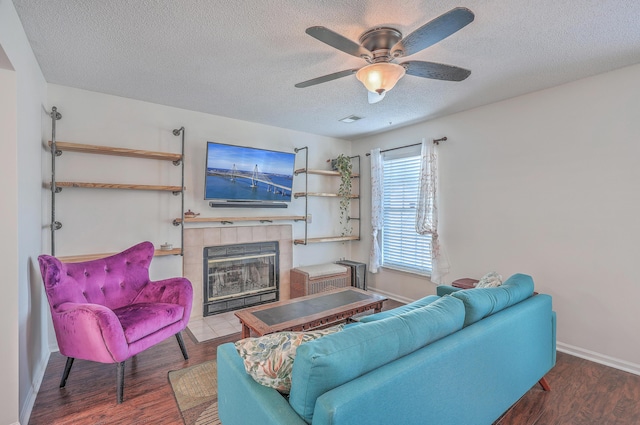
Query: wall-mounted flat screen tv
[[239, 174]]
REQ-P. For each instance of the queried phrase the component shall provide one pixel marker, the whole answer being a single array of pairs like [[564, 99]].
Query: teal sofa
[[463, 358]]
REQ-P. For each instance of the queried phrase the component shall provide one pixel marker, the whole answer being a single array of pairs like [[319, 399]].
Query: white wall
[[23, 331], [9, 249], [109, 220], [544, 184]]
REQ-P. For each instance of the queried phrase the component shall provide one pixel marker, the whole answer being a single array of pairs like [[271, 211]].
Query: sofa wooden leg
[[182, 347], [67, 369], [544, 384], [120, 382]]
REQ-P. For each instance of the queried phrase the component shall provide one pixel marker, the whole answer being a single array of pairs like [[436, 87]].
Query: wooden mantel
[[177, 221]]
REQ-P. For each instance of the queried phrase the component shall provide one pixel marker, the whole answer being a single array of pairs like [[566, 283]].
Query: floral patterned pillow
[[490, 280], [269, 359]]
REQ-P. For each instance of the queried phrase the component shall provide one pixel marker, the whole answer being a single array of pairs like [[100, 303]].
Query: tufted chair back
[[113, 282]]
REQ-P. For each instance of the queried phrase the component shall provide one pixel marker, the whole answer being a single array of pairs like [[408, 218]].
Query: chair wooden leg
[[544, 384], [182, 347], [120, 382], [67, 369]]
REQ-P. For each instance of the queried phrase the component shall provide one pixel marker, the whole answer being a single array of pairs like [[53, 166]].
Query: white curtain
[[375, 257], [427, 211]]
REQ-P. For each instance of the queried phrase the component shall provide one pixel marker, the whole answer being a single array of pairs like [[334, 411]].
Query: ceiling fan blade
[[336, 40], [375, 97], [437, 71], [433, 31], [326, 78]]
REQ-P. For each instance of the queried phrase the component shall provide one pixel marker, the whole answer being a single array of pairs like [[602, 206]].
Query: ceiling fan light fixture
[[380, 77]]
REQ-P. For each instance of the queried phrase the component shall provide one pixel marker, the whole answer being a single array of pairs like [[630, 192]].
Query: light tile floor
[[216, 326]]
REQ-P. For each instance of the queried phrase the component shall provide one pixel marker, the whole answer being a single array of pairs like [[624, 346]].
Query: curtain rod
[[435, 142]]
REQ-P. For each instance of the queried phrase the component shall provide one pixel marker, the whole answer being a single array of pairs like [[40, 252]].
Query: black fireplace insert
[[239, 276]]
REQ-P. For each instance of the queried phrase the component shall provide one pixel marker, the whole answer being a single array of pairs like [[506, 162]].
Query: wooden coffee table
[[310, 312]]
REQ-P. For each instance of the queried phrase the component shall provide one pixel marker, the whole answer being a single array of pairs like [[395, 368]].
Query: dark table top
[[307, 307]]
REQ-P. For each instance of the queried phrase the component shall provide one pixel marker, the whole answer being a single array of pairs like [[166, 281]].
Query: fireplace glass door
[[238, 276]]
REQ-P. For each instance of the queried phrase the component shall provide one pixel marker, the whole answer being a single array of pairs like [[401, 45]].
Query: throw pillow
[[269, 359], [489, 280], [482, 302]]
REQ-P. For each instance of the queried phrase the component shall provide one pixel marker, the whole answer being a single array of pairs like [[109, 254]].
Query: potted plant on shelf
[[343, 165]]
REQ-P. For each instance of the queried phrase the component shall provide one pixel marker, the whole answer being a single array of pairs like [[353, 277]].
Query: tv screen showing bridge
[[248, 174]]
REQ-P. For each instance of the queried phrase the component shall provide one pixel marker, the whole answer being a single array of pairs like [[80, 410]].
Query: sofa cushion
[[400, 310], [329, 362], [268, 359], [482, 302], [320, 270], [143, 319]]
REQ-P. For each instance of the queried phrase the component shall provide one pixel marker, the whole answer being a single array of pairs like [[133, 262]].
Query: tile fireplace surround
[[196, 239]]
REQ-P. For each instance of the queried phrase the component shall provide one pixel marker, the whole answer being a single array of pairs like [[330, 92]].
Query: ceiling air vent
[[351, 118]]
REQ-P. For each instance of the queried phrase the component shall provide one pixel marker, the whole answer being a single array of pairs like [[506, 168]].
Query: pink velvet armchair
[[108, 310]]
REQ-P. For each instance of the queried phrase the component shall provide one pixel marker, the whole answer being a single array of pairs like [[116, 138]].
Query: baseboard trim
[[599, 358], [390, 295], [38, 376]]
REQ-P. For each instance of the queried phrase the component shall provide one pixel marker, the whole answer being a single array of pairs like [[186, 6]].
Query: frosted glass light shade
[[380, 77]]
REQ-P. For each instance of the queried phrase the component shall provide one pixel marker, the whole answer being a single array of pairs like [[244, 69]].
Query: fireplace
[[197, 239], [239, 276]]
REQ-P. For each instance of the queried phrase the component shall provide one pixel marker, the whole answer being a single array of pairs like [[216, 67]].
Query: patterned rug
[[196, 392]]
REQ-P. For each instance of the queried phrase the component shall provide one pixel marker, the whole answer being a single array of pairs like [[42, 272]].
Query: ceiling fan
[[381, 46]]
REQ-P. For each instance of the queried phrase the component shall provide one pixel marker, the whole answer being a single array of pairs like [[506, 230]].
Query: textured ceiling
[[241, 58]]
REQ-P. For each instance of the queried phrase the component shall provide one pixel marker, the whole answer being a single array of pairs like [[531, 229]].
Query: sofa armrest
[[443, 290], [241, 400]]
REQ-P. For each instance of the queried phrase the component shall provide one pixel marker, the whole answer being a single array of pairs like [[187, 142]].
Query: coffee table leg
[[378, 308], [246, 332]]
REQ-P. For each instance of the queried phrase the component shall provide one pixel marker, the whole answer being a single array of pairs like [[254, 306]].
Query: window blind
[[402, 247]]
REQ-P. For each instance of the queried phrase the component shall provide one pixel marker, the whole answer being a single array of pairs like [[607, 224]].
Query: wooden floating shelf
[[89, 257], [322, 172], [327, 239], [119, 186], [108, 150], [164, 252], [321, 194], [232, 219]]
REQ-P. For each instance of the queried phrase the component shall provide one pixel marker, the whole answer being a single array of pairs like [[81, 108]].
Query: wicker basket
[[319, 278]]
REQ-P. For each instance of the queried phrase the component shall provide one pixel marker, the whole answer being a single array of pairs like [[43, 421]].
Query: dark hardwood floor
[[90, 394], [582, 392]]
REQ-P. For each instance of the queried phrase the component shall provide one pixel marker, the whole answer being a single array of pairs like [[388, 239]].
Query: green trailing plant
[[343, 165]]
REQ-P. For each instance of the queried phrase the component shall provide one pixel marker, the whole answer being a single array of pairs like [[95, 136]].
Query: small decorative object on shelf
[[166, 246], [343, 165], [191, 214]]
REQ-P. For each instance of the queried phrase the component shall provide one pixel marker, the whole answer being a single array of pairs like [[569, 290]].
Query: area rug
[[196, 391]]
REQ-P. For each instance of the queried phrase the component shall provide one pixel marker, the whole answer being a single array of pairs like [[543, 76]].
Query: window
[[402, 247]]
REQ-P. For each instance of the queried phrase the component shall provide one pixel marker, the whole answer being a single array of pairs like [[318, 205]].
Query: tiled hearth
[[216, 326], [196, 239]]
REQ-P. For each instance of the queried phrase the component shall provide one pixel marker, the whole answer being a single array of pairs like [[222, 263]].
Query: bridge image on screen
[[237, 173]]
